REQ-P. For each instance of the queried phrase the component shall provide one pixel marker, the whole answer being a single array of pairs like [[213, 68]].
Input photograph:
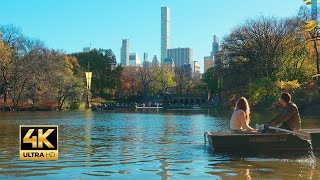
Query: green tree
[[102, 63]]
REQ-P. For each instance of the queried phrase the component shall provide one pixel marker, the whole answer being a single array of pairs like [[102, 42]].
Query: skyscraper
[[208, 62], [215, 45], [145, 57], [314, 10], [168, 63], [124, 51], [134, 59], [196, 69], [155, 61], [165, 32], [86, 49], [146, 63], [181, 56]]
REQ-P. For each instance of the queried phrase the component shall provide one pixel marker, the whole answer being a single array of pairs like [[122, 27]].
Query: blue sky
[[71, 25]]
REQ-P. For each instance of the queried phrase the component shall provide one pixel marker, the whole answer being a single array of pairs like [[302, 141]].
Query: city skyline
[[105, 27]]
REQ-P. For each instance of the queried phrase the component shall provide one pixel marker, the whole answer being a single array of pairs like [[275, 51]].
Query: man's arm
[[284, 116], [277, 117]]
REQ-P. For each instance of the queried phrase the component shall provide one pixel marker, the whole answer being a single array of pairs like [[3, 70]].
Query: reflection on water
[[143, 144]]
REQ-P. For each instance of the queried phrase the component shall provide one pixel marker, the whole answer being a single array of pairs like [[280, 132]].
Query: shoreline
[[310, 110]]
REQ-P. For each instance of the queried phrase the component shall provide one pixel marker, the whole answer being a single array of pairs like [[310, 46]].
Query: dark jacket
[[289, 116]]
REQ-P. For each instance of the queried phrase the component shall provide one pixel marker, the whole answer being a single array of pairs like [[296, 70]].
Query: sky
[[70, 25]]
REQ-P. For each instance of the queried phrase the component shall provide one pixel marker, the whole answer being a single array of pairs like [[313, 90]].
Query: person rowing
[[289, 117]]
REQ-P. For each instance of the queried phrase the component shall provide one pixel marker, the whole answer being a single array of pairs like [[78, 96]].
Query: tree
[[101, 62], [30, 72], [69, 88], [147, 76], [6, 65], [131, 83], [164, 78], [258, 54]]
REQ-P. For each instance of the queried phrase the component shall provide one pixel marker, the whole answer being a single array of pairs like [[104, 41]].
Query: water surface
[[147, 144]]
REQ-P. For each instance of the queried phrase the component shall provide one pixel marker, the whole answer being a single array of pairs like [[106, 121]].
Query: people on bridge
[[240, 118], [289, 117]]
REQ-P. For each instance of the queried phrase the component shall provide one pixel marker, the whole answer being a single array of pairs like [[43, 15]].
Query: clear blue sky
[[70, 25]]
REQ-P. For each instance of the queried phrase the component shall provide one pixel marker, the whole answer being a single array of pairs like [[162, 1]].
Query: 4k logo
[[38, 142]]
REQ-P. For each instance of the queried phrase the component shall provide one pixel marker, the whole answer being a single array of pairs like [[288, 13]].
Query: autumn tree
[[30, 72], [6, 65], [130, 80]]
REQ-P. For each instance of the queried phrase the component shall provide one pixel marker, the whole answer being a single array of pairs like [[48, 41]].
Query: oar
[[301, 135]]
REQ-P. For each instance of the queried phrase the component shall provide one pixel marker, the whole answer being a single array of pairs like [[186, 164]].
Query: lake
[[143, 144]]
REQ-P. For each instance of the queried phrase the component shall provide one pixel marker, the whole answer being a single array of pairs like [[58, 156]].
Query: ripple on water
[[152, 145]]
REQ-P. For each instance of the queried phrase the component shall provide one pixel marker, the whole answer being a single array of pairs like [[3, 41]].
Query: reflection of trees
[[168, 131], [238, 170], [9, 138]]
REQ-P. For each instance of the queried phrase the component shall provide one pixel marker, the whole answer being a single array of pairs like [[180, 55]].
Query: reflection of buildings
[[124, 53], [134, 59], [168, 128]]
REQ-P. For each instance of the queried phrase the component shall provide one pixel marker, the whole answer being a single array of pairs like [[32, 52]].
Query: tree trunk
[[317, 54]]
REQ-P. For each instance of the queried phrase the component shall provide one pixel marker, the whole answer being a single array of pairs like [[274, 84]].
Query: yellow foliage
[[311, 24], [309, 3], [288, 84]]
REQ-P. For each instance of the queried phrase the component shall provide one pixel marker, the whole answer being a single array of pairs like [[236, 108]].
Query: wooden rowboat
[[269, 142]]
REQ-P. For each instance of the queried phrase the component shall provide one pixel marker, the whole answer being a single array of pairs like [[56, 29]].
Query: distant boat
[[146, 107], [269, 142], [196, 107]]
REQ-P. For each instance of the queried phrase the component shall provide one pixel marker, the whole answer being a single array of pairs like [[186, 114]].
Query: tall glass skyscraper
[[124, 51], [165, 32], [215, 45], [181, 56]]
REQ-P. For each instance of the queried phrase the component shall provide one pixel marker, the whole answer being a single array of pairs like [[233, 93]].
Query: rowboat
[[267, 142]]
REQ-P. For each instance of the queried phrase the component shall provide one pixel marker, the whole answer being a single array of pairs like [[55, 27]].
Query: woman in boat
[[240, 118]]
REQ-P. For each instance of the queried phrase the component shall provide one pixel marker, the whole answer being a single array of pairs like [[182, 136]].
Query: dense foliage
[[262, 58], [33, 75]]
